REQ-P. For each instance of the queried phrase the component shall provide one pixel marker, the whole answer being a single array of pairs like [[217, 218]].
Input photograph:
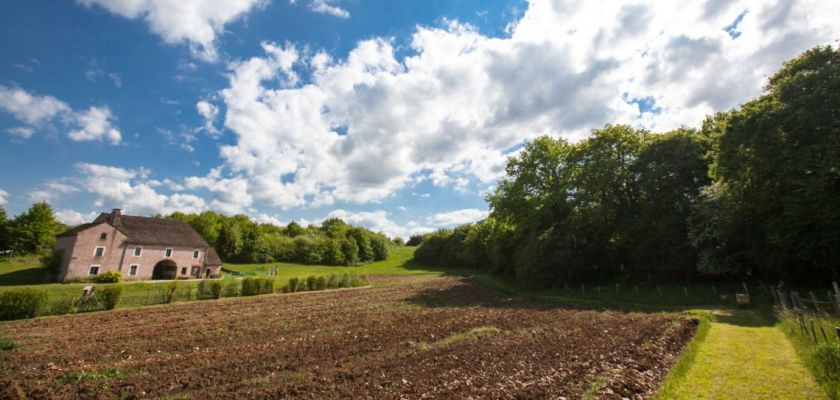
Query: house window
[[94, 270], [99, 252], [137, 251], [132, 270], [195, 253], [103, 236], [183, 270], [168, 252]]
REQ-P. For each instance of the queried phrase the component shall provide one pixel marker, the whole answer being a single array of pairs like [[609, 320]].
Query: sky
[[397, 115]]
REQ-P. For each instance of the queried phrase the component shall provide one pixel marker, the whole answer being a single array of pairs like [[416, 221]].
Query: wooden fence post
[[658, 289], [775, 297], [814, 332], [816, 303], [746, 291]]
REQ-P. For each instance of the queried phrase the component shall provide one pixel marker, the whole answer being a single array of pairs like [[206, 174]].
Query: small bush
[[231, 289], [110, 296], [166, 292], [209, 289], [266, 285], [293, 285], [344, 281], [61, 306], [311, 282], [108, 277], [321, 283], [250, 286], [332, 282], [21, 303]]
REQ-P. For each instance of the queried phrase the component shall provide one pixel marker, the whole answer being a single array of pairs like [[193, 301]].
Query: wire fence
[[817, 318]]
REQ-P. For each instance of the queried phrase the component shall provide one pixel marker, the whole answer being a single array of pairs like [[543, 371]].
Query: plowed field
[[432, 338]]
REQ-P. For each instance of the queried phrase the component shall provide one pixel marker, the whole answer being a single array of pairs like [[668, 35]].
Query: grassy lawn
[[745, 356]]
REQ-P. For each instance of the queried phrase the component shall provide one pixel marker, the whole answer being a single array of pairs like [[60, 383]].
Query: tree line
[[30, 232], [236, 238], [239, 239], [754, 192]]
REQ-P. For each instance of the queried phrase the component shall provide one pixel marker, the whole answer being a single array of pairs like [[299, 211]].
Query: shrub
[[311, 282], [209, 289], [321, 283], [344, 281], [108, 277], [110, 296], [166, 291], [21, 303], [266, 285], [332, 282], [250, 286], [231, 289], [293, 285], [61, 306]]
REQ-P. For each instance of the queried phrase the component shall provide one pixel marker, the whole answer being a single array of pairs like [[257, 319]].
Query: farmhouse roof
[[147, 230], [212, 258]]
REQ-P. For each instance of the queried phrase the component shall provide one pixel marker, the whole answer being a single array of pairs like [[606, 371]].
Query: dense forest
[[753, 193], [238, 239]]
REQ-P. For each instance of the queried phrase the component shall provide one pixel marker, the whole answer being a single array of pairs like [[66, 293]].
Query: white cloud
[[24, 132], [96, 124], [29, 108], [457, 217], [72, 217], [133, 191], [196, 22], [209, 112], [328, 7], [376, 221], [366, 126], [38, 111], [3, 195], [51, 191]]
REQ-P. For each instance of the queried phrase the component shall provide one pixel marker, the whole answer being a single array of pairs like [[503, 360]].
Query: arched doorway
[[166, 269]]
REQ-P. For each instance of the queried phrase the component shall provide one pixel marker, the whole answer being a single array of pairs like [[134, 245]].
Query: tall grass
[[819, 347]]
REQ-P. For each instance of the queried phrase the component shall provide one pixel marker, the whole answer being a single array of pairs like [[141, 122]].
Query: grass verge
[[817, 347], [678, 373]]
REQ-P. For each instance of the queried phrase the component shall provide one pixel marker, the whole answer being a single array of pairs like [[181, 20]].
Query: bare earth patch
[[393, 341]]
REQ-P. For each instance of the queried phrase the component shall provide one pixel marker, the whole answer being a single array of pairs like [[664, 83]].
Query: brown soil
[[381, 342]]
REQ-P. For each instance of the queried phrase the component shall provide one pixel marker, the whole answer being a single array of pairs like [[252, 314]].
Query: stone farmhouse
[[140, 248]]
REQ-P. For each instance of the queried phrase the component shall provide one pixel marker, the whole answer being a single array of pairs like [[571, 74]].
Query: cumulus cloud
[[3, 195], [96, 123], [363, 127], [457, 217], [132, 190], [72, 217], [196, 22], [29, 108], [51, 191], [209, 112]]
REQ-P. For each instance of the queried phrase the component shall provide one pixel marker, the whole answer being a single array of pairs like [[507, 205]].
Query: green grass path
[[746, 356]]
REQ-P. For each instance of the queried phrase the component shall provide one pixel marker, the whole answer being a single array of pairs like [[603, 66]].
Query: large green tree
[[778, 167], [34, 231]]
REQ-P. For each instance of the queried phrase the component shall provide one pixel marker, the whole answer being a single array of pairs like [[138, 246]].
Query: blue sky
[[397, 115]]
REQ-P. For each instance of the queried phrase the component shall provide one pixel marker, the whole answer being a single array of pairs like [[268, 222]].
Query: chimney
[[116, 217]]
